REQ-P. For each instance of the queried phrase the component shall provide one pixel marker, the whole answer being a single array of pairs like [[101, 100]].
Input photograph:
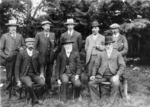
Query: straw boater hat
[[46, 22], [12, 22], [67, 41], [115, 26], [27, 40], [95, 24], [70, 21]]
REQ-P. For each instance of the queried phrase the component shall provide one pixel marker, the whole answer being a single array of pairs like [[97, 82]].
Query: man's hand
[[92, 78], [115, 78], [19, 83], [59, 82], [76, 77], [42, 76]]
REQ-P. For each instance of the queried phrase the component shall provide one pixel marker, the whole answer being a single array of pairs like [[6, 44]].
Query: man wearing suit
[[44, 43], [73, 35], [28, 70], [121, 45], [68, 68], [10, 44], [109, 66], [93, 45]]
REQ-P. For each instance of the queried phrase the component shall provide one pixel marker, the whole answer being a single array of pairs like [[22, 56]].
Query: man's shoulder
[[77, 33], [40, 33]]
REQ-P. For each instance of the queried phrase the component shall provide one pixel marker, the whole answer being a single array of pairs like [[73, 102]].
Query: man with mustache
[[121, 45], [29, 70], [93, 45], [10, 44], [73, 35], [44, 43]]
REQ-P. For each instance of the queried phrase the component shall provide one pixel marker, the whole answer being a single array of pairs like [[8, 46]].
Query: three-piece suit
[[66, 69], [45, 46], [104, 68], [9, 48], [28, 70]]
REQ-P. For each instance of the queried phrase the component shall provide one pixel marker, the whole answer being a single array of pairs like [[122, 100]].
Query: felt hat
[[29, 40], [67, 41]]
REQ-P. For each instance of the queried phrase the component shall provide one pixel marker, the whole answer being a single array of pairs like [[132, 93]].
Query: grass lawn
[[139, 91]]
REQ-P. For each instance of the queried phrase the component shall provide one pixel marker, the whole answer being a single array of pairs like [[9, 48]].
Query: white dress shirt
[[109, 51], [30, 53], [70, 32], [116, 35]]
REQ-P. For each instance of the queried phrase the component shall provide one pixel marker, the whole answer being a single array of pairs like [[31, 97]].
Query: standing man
[[73, 35], [44, 43], [109, 66], [121, 45], [68, 68], [10, 44], [29, 70], [93, 45]]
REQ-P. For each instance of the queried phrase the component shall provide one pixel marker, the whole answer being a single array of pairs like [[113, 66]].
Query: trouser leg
[[114, 90], [29, 84], [95, 95], [49, 71], [65, 80], [77, 86]]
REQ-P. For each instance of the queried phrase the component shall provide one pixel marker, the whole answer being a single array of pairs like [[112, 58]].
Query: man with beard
[[44, 43], [109, 66], [73, 35], [10, 44], [93, 45], [121, 45], [29, 70], [68, 68]]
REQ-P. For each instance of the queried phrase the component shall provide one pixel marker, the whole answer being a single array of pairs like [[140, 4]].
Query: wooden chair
[[73, 91], [108, 86]]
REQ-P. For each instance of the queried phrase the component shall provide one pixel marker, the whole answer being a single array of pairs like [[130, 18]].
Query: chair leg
[[100, 91], [10, 93], [59, 89], [20, 92], [120, 92]]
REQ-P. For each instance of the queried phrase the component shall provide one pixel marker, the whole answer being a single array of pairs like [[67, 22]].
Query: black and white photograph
[[74, 53]]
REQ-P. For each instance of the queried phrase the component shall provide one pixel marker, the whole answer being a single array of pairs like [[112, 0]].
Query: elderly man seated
[[109, 66]]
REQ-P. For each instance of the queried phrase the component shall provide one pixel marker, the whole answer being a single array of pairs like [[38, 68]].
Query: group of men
[[32, 61]]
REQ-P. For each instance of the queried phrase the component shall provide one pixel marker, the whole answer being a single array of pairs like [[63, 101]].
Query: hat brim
[[46, 23], [70, 23], [12, 24], [66, 43]]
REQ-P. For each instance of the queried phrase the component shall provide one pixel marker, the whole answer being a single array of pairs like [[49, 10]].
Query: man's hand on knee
[[92, 77], [115, 79], [59, 82]]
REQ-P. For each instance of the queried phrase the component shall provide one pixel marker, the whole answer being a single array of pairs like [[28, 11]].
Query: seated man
[[68, 67], [109, 66], [27, 70]]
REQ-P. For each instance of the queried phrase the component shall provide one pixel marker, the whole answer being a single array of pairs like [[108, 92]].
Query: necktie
[[46, 35]]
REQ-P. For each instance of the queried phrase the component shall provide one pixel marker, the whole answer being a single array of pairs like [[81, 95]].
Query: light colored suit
[[90, 43], [92, 51], [9, 48]]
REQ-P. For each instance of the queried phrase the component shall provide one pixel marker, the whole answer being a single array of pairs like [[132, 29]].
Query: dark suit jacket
[[115, 63], [9, 47], [121, 45], [74, 63], [21, 66], [41, 44], [76, 37]]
